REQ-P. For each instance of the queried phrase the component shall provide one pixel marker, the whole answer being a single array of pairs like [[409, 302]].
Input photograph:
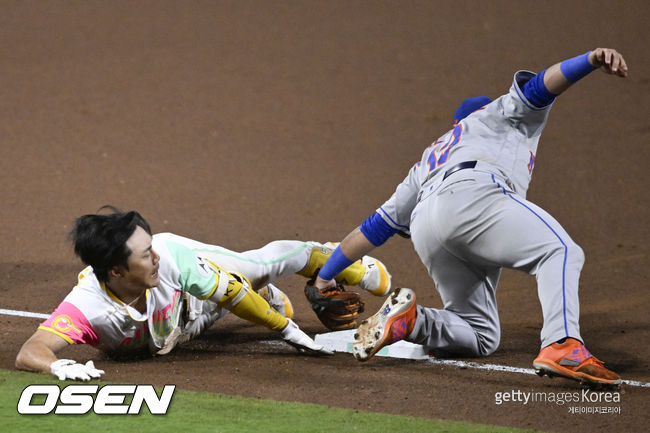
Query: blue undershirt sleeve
[[573, 69], [376, 229], [536, 92]]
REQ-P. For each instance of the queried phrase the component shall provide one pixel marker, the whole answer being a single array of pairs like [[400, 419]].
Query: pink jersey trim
[[68, 321]]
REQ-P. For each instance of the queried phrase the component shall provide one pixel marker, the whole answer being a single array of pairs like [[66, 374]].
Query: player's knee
[[488, 343], [575, 254], [489, 349], [565, 251], [234, 292]]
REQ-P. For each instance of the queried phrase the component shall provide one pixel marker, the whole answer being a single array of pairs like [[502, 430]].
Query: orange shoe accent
[[572, 359], [393, 322]]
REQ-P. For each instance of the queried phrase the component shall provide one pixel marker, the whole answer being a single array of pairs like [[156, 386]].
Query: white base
[[341, 341]]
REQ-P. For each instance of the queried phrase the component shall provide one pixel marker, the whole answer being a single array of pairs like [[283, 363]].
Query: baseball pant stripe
[[566, 329]]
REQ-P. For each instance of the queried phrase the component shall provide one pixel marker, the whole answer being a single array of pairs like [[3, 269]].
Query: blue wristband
[[577, 67], [334, 265]]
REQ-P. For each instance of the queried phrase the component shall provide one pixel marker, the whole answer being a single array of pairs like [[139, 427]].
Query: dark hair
[[100, 239]]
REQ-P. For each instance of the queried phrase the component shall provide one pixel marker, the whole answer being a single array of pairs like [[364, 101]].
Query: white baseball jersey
[[503, 134], [92, 314]]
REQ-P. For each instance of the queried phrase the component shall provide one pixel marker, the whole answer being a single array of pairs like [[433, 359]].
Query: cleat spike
[[393, 322]]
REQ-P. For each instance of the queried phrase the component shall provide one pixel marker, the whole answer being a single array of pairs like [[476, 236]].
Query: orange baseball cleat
[[393, 322], [572, 359]]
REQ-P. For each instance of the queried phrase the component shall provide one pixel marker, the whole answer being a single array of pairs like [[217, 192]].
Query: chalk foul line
[[338, 342], [23, 314], [508, 369], [341, 341]]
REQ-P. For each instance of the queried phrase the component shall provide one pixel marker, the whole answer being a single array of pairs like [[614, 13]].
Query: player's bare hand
[[324, 284], [609, 61]]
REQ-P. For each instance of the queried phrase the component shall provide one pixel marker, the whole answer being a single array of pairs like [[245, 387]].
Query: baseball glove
[[336, 308]]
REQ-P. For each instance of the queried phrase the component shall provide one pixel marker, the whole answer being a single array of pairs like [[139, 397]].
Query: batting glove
[[69, 369], [293, 335]]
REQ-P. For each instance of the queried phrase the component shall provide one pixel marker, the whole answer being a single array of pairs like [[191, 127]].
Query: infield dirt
[[241, 122]]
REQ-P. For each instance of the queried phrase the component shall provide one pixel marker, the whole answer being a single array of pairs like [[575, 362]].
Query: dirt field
[[239, 122]]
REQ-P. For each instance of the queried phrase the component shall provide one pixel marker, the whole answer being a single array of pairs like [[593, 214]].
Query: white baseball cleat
[[376, 279], [293, 335], [393, 322], [277, 299]]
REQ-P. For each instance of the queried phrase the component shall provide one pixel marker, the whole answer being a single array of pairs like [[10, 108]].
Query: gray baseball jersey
[[504, 134], [468, 221]]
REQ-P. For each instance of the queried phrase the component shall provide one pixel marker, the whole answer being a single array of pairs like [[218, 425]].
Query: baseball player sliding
[[144, 293], [464, 207]]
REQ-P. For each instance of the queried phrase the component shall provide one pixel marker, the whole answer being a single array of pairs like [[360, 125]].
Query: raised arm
[[39, 354], [561, 76]]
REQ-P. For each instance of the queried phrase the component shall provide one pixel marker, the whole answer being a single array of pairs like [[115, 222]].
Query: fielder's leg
[[482, 223], [504, 229], [517, 234], [469, 323]]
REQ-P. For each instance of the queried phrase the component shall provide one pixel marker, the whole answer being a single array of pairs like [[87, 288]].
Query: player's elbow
[[27, 358], [39, 351], [22, 358]]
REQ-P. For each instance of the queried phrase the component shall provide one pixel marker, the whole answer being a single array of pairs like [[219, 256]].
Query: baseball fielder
[[144, 293], [464, 206]]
